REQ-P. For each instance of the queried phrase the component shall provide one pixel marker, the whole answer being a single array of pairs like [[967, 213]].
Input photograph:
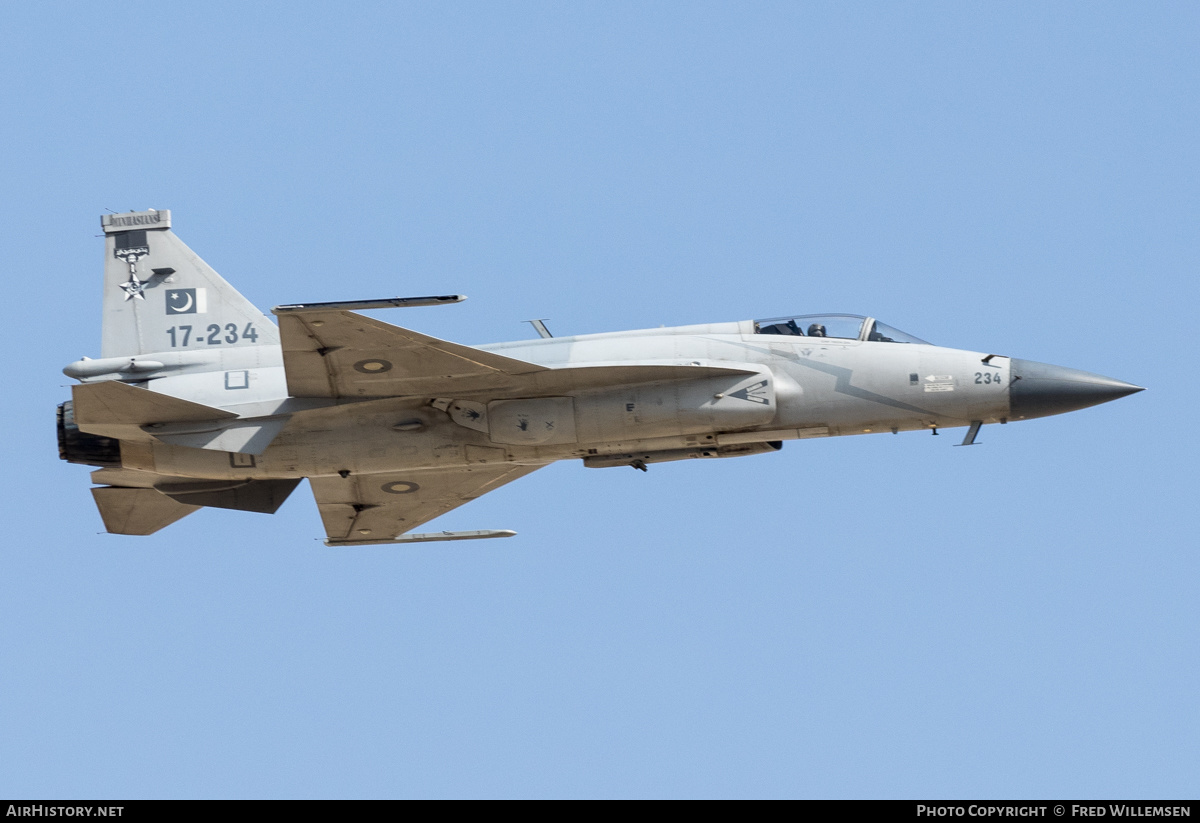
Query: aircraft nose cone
[[1039, 389]]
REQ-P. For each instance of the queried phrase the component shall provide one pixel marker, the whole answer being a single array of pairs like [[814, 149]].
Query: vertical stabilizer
[[160, 296]]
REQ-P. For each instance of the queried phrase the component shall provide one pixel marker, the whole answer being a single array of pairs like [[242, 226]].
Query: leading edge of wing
[[339, 354]]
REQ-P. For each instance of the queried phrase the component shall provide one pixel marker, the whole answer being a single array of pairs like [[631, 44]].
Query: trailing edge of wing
[[342, 354]]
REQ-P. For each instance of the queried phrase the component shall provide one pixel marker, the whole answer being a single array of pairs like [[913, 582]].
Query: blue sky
[[858, 617]]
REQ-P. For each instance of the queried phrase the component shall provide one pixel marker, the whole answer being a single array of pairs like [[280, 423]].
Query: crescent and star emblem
[[185, 301]]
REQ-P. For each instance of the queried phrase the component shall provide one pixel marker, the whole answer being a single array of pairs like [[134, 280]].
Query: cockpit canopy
[[844, 326]]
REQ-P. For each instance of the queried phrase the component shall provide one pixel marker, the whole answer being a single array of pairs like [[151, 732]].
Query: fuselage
[[199, 399], [754, 389]]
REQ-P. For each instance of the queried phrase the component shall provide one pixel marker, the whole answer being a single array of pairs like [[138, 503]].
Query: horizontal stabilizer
[[263, 496], [137, 511], [118, 410]]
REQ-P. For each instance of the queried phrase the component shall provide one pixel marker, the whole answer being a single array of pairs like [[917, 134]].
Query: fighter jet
[[199, 399]]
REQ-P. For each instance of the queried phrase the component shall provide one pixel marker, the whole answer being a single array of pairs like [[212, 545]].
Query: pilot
[[816, 330]]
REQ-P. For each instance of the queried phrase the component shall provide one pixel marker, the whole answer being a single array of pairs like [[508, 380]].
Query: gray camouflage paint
[[174, 327]]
